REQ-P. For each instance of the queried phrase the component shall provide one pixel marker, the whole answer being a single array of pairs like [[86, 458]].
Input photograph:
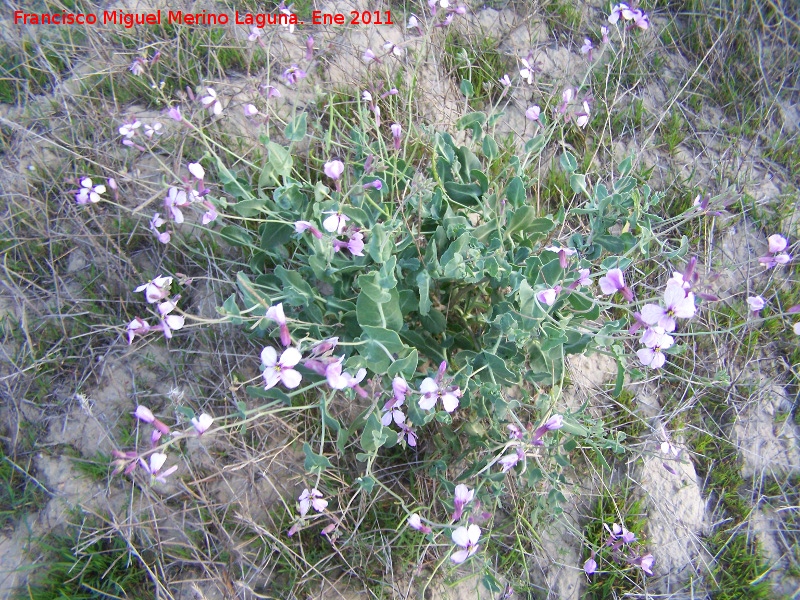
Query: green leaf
[[577, 182], [625, 166], [231, 310], [490, 148], [249, 208], [424, 285], [568, 161], [386, 337], [573, 428], [405, 366], [279, 164], [535, 144], [315, 463], [465, 194], [473, 121], [380, 245], [274, 235], [466, 88], [293, 281], [377, 307], [515, 192], [525, 222], [296, 128], [366, 483], [235, 235], [373, 436], [498, 367]]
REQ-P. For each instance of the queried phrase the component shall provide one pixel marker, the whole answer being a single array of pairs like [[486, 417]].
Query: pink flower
[[509, 461], [680, 305], [756, 303], [777, 243], [514, 432], [640, 20], [156, 289], [169, 323], [462, 496], [614, 281], [335, 223], [311, 498], [334, 169], [655, 340], [275, 313], [553, 423], [157, 460], [157, 222], [255, 34], [397, 132], [590, 566], [583, 277], [587, 48], [377, 184], [368, 56], [393, 413], [211, 214], [409, 435], [138, 66], [432, 391], [154, 129], [293, 74], [563, 254], [415, 522], [89, 193], [399, 389], [197, 170], [174, 200], [355, 244], [128, 130], [505, 80], [301, 226], [202, 423], [567, 96], [645, 562], [339, 379], [280, 370], [533, 112], [137, 327], [211, 102], [527, 71], [582, 118], [174, 113], [548, 296], [604, 33], [309, 48], [467, 538], [616, 11]]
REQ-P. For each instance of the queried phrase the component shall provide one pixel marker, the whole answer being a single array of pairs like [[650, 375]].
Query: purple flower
[[509, 461], [211, 102], [640, 20], [397, 132], [301, 226], [467, 538], [415, 522], [409, 435], [548, 296], [157, 460], [334, 169], [590, 566], [335, 223], [137, 327], [655, 340], [680, 305], [756, 303], [777, 243], [89, 193], [587, 48], [368, 56], [280, 370], [293, 74], [169, 323], [275, 313], [614, 281], [339, 379], [311, 498], [505, 80], [157, 222], [309, 48], [377, 184], [527, 71], [616, 11], [563, 254], [432, 391], [250, 110], [202, 423], [174, 113], [533, 112], [645, 562], [156, 289], [553, 423], [604, 33], [463, 496]]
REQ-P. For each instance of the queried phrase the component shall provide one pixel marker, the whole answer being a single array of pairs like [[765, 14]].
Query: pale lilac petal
[[652, 313], [291, 378], [269, 356]]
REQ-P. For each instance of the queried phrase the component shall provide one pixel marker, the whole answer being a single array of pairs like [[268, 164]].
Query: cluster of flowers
[[777, 256], [131, 129], [635, 16], [128, 461], [520, 443], [192, 193], [157, 291], [89, 193], [618, 537]]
